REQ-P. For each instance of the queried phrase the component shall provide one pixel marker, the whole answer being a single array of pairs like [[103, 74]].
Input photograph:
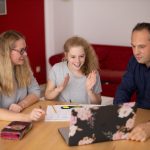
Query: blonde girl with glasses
[[18, 87]]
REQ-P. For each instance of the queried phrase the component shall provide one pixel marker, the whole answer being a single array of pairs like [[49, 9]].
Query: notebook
[[92, 124], [59, 112], [15, 130]]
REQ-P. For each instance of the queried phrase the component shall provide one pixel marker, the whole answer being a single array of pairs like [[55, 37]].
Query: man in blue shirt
[[137, 78]]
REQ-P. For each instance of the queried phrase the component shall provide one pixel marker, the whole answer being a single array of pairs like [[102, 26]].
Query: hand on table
[[37, 114], [140, 133], [15, 108]]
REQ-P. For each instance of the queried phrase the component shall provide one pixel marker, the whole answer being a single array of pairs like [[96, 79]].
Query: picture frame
[[3, 7]]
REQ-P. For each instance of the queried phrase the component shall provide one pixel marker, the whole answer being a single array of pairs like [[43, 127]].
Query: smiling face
[[16, 57], [140, 42], [76, 58]]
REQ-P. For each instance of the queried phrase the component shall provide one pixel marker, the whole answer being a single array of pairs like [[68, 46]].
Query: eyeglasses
[[22, 51]]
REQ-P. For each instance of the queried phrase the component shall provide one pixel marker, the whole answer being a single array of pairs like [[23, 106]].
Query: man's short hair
[[141, 26]]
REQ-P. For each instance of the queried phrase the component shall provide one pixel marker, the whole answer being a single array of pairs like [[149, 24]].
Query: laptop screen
[[91, 124]]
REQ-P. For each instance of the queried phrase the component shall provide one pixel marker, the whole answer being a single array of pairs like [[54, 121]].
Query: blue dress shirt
[[136, 79]]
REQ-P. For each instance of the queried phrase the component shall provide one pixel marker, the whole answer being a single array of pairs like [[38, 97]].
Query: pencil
[[54, 109]]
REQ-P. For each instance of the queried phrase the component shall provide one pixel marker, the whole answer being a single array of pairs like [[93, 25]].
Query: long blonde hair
[[91, 60], [10, 75]]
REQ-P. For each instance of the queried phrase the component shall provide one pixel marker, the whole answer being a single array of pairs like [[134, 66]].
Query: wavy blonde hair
[[10, 75], [91, 60]]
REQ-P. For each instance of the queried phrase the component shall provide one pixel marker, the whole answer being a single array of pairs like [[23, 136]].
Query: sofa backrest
[[113, 57], [110, 57], [56, 58]]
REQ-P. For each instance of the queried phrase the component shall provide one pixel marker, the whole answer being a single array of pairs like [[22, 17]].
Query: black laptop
[[95, 123]]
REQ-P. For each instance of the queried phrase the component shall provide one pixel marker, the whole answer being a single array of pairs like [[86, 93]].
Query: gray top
[[20, 93], [75, 90]]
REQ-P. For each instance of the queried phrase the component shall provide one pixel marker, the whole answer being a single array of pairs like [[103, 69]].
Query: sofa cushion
[[109, 89]]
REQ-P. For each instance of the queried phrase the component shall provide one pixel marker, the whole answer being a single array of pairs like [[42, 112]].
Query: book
[[15, 130], [59, 112]]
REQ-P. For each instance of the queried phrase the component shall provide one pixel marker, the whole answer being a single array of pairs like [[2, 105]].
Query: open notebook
[[92, 124], [59, 112]]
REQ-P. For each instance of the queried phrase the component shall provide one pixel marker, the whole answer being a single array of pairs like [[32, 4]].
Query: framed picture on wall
[[3, 8]]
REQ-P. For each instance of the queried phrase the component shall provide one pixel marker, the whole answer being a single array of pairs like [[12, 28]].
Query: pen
[[54, 109], [69, 107]]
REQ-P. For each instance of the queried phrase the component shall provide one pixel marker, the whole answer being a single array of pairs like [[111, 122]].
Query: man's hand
[[140, 133]]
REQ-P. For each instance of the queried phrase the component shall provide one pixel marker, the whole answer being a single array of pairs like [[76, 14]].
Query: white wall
[[109, 21], [99, 21], [58, 25], [49, 31], [63, 22]]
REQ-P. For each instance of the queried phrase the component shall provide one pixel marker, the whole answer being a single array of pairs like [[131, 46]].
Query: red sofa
[[113, 61]]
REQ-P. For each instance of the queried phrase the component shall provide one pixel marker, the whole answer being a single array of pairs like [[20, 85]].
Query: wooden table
[[45, 136]]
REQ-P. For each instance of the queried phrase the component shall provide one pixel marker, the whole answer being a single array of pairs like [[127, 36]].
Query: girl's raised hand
[[62, 86], [91, 80]]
